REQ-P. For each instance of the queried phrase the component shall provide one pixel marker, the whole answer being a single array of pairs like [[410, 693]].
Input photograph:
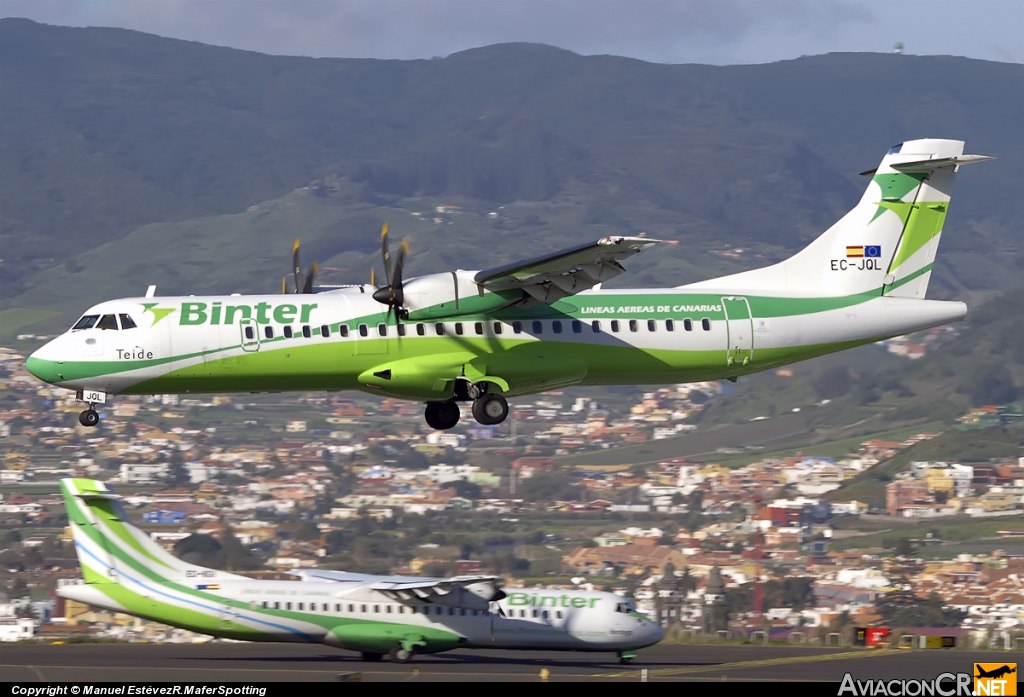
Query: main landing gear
[[489, 409], [89, 417]]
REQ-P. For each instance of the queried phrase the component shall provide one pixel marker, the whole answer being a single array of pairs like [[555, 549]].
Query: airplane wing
[[557, 275], [456, 590]]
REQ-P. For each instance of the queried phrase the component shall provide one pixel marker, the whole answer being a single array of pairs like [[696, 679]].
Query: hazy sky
[[666, 31]]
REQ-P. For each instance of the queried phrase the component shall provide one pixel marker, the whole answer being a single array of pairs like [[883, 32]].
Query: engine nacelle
[[452, 294]]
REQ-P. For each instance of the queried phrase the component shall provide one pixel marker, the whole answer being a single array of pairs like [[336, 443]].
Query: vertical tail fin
[[887, 243], [109, 545]]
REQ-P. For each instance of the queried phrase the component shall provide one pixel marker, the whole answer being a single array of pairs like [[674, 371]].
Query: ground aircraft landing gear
[[442, 415], [490, 409], [89, 417], [399, 654]]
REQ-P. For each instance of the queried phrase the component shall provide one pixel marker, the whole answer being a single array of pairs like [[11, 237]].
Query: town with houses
[[270, 484]]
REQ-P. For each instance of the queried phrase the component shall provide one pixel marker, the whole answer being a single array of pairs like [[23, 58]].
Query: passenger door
[[740, 330], [250, 335]]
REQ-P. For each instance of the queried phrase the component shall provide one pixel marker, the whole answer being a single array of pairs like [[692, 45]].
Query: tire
[[400, 655], [371, 657], [490, 409], [89, 418], [442, 415], [430, 415]]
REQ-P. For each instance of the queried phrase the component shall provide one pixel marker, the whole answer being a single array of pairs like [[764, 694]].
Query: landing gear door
[[740, 326], [250, 335]]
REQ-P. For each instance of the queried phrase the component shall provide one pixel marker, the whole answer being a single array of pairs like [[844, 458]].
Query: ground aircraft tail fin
[[887, 243], [108, 544]]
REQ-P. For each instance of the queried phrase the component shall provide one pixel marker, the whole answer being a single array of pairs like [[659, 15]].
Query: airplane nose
[[42, 368]]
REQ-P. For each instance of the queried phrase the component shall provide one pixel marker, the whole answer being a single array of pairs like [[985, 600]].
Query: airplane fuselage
[[343, 341]]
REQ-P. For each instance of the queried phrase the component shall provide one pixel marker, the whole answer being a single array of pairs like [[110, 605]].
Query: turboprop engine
[[442, 295]]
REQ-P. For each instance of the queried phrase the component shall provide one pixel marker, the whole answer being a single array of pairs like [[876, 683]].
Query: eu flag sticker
[[873, 251]]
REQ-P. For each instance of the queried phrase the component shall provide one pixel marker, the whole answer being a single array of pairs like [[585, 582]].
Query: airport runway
[[230, 662]]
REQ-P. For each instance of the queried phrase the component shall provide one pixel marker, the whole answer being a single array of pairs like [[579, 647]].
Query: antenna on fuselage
[[151, 291]]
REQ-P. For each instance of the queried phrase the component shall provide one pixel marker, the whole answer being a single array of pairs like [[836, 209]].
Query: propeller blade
[[313, 271], [385, 251], [373, 279], [397, 294], [284, 285], [297, 268]]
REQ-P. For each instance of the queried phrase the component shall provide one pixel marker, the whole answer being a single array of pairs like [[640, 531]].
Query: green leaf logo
[[158, 312]]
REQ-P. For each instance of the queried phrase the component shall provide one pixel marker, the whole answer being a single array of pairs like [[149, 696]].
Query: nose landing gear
[[89, 417]]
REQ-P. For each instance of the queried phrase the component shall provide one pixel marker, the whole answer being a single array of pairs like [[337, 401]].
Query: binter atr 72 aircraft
[[125, 571], [535, 325]]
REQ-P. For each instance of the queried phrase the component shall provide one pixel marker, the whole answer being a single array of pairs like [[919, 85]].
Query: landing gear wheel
[[442, 415], [89, 418], [490, 409], [625, 661], [400, 655], [371, 657]]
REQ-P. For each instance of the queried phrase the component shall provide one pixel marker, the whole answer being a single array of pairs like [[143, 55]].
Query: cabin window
[[249, 333], [325, 330], [288, 332], [577, 326], [706, 324], [596, 326], [462, 612], [337, 607], [633, 326], [87, 322], [412, 609], [478, 327], [439, 328], [558, 614], [497, 327], [517, 327], [538, 327], [388, 607], [440, 610], [268, 332], [687, 325], [401, 609], [652, 326], [351, 607], [400, 328], [420, 330], [307, 332], [362, 608], [107, 322], [126, 321], [277, 605], [670, 326], [302, 606], [264, 604], [615, 326], [288, 605], [556, 327], [544, 614], [382, 329], [364, 330], [534, 614], [343, 330], [451, 612], [458, 328]]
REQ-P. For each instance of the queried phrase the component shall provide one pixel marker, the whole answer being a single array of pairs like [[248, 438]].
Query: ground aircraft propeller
[[392, 294], [300, 286]]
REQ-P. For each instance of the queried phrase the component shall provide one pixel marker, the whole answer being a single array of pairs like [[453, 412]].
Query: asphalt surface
[[259, 663]]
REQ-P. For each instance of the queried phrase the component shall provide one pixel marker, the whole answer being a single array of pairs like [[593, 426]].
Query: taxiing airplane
[[399, 616], [535, 325]]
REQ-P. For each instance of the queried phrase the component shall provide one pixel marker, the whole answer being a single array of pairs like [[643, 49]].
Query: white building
[[142, 473], [16, 629]]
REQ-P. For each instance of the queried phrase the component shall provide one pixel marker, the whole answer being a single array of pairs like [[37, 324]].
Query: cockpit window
[[126, 321], [107, 322], [87, 322]]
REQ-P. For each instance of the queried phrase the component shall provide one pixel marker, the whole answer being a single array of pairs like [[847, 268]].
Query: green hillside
[[128, 159]]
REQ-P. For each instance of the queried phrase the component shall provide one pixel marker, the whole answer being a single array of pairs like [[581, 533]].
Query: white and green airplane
[[535, 325], [125, 571]]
